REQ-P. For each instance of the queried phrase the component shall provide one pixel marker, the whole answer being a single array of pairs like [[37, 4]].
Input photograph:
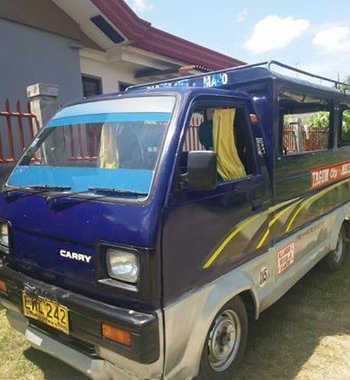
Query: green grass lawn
[[18, 361], [304, 336]]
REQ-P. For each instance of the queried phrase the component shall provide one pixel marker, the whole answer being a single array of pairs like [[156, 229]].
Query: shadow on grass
[[288, 333], [53, 369]]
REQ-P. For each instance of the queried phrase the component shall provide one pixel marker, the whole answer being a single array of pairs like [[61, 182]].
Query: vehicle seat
[[205, 134]]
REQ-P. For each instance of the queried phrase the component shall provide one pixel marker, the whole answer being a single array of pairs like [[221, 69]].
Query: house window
[[91, 85], [304, 123]]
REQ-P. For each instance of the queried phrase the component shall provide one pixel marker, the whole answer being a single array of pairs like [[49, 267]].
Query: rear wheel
[[225, 343], [335, 259]]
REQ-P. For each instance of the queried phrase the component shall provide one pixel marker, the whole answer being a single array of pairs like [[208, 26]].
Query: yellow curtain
[[229, 164], [109, 156]]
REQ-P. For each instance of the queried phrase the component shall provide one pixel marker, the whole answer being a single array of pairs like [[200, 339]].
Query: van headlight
[[122, 265], [4, 237]]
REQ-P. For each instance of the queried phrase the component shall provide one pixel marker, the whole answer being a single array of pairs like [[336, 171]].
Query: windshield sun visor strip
[[110, 117], [80, 179]]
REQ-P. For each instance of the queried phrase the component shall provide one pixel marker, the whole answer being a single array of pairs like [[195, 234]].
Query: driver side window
[[223, 130]]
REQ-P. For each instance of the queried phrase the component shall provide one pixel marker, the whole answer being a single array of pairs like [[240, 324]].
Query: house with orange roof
[[89, 47]]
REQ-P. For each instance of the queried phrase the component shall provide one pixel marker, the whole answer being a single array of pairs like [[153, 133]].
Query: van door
[[208, 233]]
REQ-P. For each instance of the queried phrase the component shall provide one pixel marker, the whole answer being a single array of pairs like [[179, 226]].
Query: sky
[[307, 34]]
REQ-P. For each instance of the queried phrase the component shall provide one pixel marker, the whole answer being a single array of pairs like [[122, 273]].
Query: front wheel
[[335, 259], [225, 343]]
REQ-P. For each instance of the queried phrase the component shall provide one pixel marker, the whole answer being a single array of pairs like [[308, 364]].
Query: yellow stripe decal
[[271, 223], [228, 239], [291, 203], [298, 211], [239, 228], [310, 201]]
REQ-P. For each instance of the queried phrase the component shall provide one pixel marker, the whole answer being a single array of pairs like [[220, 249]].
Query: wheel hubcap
[[224, 340]]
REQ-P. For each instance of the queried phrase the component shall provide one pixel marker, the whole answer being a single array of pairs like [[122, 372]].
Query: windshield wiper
[[106, 191], [99, 193], [45, 188], [39, 188], [68, 195]]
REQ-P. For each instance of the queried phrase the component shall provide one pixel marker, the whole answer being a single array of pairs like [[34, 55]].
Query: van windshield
[[107, 144]]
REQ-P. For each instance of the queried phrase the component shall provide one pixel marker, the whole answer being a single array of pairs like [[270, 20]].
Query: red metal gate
[[16, 131], [313, 140]]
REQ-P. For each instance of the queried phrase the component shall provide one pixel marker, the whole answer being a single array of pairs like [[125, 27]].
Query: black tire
[[225, 343], [335, 259]]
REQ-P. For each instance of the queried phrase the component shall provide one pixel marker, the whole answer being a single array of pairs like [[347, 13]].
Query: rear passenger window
[[345, 125], [304, 123]]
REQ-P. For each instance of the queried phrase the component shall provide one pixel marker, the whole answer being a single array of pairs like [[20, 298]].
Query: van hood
[[58, 241]]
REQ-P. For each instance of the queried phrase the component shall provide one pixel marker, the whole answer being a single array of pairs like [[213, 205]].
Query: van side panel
[[188, 318], [293, 173]]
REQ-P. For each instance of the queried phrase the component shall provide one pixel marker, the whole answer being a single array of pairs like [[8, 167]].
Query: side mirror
[[202, 172]]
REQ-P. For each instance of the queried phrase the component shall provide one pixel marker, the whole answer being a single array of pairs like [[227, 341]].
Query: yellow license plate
[[44, 310]]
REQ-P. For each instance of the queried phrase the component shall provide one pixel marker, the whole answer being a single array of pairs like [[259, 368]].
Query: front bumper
[[95, 368], [85, 316]]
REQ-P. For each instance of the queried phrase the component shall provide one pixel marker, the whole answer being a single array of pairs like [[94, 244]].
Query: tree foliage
[[345, 132], [346, 86], [319, 120]]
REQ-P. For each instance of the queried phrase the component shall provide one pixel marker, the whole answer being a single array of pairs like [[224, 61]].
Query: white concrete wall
[[111, 73]]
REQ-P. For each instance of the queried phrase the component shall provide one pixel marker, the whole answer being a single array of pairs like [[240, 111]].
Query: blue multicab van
[[141, 231]]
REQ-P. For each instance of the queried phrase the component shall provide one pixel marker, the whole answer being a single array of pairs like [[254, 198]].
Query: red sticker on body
[[285, 258], [330, 173]]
